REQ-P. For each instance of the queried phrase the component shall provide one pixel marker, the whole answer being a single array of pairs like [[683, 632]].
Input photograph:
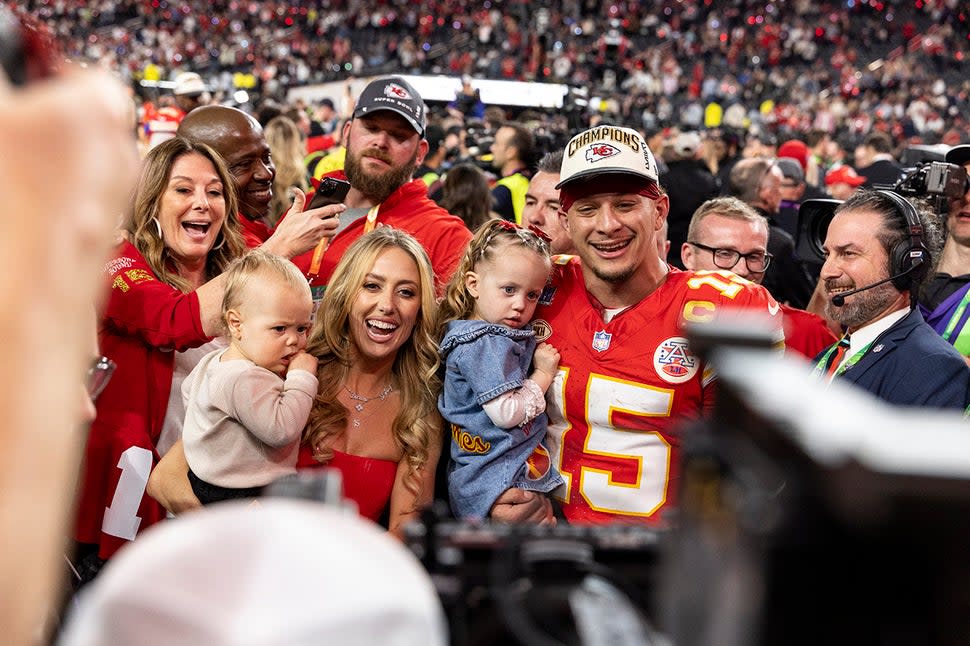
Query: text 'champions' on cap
[[394, 94], [607, 149]]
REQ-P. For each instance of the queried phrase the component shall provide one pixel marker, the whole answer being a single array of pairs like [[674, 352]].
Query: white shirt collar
[[869, 333]]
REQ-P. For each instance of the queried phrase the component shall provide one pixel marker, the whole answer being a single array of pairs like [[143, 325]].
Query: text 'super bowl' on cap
[[607, 149], [395, 94]]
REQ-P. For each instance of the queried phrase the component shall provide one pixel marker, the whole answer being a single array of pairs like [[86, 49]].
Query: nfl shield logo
[[601, 341]]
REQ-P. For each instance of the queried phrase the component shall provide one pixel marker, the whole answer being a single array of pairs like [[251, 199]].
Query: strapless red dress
[[367, 481]]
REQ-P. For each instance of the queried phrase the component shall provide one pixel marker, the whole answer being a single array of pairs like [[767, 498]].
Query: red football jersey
[[625, 388]]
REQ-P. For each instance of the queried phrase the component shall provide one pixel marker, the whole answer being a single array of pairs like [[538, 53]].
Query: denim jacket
[[482, 361]]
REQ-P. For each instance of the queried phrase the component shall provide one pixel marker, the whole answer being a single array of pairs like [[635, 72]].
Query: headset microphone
[[839, 299]]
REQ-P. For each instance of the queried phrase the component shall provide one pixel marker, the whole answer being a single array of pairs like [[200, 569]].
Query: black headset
[[909, 259]]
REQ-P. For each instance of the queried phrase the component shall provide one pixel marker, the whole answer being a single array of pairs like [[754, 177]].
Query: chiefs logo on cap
[[596, 152], [396, 91]]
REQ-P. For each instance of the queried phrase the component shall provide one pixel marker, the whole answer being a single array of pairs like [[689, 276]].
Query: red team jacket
[[144, 322], [254, 233], [625, 387], [443, 235]]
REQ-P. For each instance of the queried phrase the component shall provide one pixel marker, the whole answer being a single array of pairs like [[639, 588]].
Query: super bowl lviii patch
[[673, 363]]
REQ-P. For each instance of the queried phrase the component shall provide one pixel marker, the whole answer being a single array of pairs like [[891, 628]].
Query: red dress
[[367, 481]]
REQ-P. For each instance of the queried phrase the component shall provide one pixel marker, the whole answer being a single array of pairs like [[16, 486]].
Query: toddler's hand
[[546, 359], [304, 361]]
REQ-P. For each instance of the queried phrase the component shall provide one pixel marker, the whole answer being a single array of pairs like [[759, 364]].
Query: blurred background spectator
[[465, 193], [844, 69], [288, 147]]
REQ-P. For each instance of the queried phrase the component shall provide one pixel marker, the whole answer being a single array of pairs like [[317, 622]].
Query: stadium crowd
[[748, 108], [836, 66]]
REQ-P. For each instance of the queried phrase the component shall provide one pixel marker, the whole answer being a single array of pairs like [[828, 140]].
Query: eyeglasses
[[756, 261], [99, 374]]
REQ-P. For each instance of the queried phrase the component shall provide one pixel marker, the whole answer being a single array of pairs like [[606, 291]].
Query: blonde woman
[[287, 147], [375, 417]]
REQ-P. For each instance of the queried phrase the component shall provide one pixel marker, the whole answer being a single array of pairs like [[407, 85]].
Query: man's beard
[[377, 187], [863, 307]]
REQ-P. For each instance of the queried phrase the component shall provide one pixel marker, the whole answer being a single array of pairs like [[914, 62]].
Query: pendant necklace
[[361, 401]]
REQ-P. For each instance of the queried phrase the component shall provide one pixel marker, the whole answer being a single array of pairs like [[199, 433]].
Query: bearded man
[[385, 144], [878, 248]]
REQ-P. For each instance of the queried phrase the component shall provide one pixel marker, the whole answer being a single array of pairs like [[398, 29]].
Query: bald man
[[238, 137]]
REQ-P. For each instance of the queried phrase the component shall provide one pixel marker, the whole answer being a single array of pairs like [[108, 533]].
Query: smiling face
[[383, 150], [506, 290], [614, 235], [722, 232], [386, 307], [249, 161], [192, 209], [271, 323], [855, 257]]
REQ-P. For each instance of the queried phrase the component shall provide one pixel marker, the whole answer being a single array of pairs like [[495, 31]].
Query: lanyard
[[957, 315], [369, 224], [854, 359]]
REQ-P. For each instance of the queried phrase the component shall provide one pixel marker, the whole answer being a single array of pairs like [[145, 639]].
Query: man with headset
[[878, 248]]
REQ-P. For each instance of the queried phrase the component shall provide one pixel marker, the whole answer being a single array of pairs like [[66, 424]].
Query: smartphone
[[330, 191]]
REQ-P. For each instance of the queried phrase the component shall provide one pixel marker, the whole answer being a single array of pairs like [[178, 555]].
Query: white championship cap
[[280, 571], [607, 149], [686, 144], [189, 83]]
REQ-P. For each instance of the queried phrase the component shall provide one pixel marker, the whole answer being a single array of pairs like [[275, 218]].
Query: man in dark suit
[[880, 246], [874, 160]]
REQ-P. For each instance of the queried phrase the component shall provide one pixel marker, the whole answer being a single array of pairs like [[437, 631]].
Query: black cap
[[958, 155], [395, 94]]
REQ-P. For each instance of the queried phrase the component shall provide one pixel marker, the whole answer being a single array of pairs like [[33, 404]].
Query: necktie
[[840, 351]]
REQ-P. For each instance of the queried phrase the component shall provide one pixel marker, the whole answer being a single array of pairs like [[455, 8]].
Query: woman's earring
[[219, 246], [158, 227]]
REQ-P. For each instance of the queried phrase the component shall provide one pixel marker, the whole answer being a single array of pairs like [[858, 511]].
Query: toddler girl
[[247, 405], [495, 407]]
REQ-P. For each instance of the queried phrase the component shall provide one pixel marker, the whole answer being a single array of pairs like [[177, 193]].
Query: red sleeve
[[141, 305], [806, 333], [446, 252]]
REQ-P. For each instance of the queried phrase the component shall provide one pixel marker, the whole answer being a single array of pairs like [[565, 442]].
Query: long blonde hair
[[415, 368], [141, 223], [287, 147], [458, 303]]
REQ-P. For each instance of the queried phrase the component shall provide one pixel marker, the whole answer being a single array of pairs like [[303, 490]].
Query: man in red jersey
[[627, 380]]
